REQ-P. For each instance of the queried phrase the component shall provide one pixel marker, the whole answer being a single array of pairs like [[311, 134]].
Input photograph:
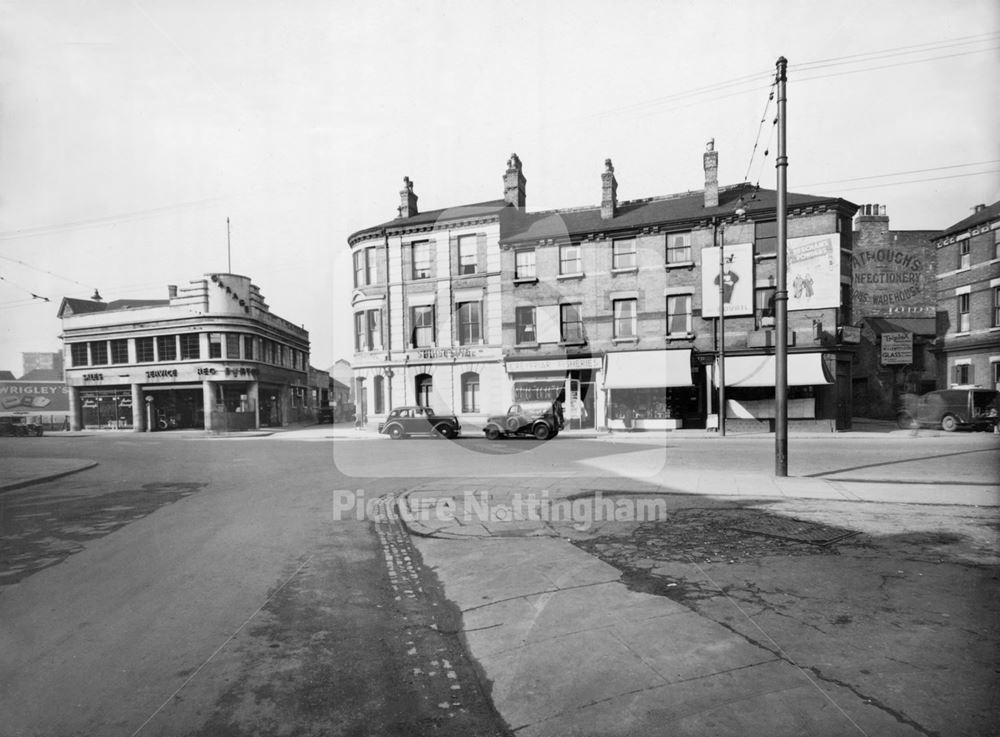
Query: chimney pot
[[172, 291], [711, 162], [979, 208], [407, 200], [609, 191], [513, 183]]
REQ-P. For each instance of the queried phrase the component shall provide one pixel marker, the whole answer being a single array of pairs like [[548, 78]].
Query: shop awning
[[648, 369], [804, 369]]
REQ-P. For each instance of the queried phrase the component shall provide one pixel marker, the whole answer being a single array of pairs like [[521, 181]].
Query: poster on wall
[[897, 348], [814, 272], [735, 274]]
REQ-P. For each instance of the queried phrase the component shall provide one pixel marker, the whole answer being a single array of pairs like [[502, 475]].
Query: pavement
[[566, 647]]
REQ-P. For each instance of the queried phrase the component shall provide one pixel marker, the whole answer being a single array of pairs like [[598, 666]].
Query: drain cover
[[788, 528]]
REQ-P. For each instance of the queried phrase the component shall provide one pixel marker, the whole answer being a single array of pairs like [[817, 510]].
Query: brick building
[[611, 309], [894, 305], [968, 296]]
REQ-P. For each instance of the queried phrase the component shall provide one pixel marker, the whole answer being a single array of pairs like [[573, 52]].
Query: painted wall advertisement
[[814, 272], [33, 397], [897, 348], [894, 280], [736, 276]]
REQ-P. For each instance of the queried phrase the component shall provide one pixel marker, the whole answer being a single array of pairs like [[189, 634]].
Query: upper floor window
[[623, 254], [359, 268], [232, 345], [964, 254], [215, 345], [144, 350], [421, 256], [678, 314], [996, 307], [469, 323], [964, 323], [468, 254], [569, 260], [678, 248], [366, 267], [119, 351], [78, 354], [190, 345], [422, 322], [524, 318], [625, 318], [766, 238], [99, 353], [571, 324], [763, 298], [248, 351], [996, 243], [166, 347], [524, 264]]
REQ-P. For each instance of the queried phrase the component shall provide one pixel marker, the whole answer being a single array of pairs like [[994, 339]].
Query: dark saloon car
[[541, 420], [19, 427], [951, 409], [404, 421]]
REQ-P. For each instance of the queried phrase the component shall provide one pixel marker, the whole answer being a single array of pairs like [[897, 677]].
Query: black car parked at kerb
[[414, 420], [19, 427], [541, 420]]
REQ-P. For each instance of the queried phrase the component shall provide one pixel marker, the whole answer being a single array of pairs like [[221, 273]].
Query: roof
[[477, 209], [917, 325], [684, 209], [340, 385], [7, 376], [43, 375], [73, 306], [988, 213]]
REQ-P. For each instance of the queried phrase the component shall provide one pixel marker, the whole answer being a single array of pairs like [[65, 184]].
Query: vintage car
[[19, 427], [415, 420], [542, 420], [951, 409]]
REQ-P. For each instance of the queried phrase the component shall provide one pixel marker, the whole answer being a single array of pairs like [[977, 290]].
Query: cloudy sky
[[131, 129]]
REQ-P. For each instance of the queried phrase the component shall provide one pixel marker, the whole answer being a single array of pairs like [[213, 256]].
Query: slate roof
[[988, 213], [82, 306], [43, 375], [7, 376], [477, 209]]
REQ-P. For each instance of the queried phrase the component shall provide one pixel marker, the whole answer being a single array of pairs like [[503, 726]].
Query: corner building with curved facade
[[211, 356]]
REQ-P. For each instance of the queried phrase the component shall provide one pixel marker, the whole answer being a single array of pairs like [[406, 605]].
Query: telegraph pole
[[722, 328], [781, 290]]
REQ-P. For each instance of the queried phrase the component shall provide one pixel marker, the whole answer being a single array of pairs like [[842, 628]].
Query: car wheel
[[905, 421], [492, 433], [444, 430], [513, 423], [542, 431], [396, 432], [949, 423]]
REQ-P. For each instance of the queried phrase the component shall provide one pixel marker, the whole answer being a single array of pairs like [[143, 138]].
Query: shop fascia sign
[[554, 364], [167, 374], [425, 355]]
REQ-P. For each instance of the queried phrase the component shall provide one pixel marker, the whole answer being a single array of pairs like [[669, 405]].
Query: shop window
[[78, 354], [963, 373], [964, 321], [422, 322], [373, 329], [144, 352], [215, 345], [623, 254], [98, 353], [190, 346], [470, 392], [763, 298], [232, 345], [424, 387], [468, 257], [569, 260], [524, 264], [571, 324], [679, 314], [119, 351], [421, 258], [248, 351], [625, 318], [166, 347], [525, 321], [678, 248], [469, 323], [964, 254]]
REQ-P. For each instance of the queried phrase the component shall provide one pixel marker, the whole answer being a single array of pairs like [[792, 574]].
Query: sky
[[130, 130]]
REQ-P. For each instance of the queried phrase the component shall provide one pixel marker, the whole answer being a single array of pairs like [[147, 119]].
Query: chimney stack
[[407, 200], [172, 291], [609, 191], [711, 160], [978, 208], [513, 182]]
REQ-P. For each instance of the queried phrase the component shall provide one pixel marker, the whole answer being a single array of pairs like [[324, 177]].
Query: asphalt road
[[203, 587]]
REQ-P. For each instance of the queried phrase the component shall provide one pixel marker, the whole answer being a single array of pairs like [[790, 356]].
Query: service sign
[[731, 279], [897, 348]]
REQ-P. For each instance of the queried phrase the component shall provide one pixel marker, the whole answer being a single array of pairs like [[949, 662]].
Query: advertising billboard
[[814, 272], [33, 397], [734, 273]]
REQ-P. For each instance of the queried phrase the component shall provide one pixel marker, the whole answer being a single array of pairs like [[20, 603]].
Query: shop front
[[107, 408], [571, 381], [750, 387], [652, 390]]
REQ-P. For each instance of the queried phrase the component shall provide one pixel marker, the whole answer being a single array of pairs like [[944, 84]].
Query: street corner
[[20, 472]]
